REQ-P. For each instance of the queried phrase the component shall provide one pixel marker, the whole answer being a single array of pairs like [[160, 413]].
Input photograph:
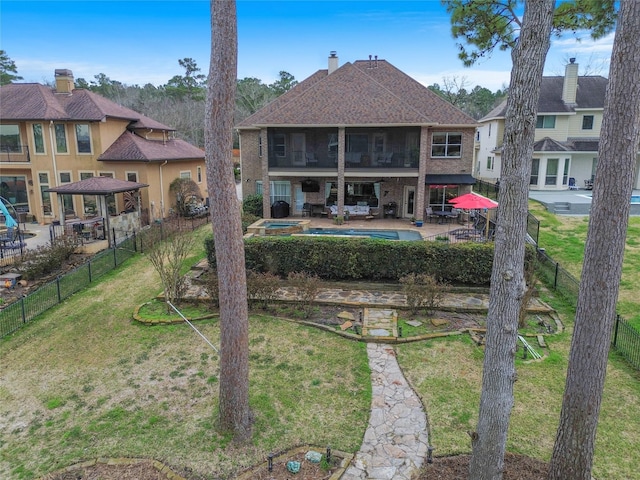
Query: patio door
[[409, 202]]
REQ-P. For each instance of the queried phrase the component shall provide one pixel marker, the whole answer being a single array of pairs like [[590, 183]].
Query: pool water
[[635, 199], [272, 224], [380, 234]]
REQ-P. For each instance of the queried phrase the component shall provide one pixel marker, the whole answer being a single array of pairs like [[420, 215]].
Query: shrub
[[48, 258], [261, 288], [422, 291], [211, 288], [307, 287], [252, 205]]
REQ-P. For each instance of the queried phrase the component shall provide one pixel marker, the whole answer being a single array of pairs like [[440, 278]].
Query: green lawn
[[84, 381], [563, 239]]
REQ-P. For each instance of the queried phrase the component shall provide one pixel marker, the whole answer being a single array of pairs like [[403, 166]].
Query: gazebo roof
[[98, 186]]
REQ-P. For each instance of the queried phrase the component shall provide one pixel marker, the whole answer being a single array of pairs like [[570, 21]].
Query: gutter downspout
[[162, 190], [55, 172]]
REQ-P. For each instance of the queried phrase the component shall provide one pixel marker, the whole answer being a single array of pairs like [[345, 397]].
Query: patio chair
[[429, 214], [572, 184], [312, 160], [307, 209]]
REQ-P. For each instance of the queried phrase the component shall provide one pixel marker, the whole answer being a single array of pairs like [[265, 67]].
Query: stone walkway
[[395, 443]]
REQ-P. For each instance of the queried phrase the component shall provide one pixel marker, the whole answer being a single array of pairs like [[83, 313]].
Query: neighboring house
[[566, 138], [52, 137], [363, 134]]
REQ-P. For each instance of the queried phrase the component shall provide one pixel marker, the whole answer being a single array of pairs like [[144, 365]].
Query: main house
[[363, 137], [566, 138], [50, 137]]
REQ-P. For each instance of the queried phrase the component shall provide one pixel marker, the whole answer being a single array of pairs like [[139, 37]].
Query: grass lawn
[[563, 238], [85, 381]]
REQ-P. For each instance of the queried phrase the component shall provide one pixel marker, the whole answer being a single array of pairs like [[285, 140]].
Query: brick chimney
[[333, 62], [570, 85], [64, 80]]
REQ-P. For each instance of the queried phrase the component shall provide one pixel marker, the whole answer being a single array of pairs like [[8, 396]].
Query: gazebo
[[101, 187]]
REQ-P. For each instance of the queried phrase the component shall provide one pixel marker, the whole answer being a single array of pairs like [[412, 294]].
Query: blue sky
[[140, 41]]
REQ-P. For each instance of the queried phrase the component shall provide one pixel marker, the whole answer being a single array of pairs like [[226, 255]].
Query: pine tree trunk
[[507, 278], [225, 216], [604, 250]]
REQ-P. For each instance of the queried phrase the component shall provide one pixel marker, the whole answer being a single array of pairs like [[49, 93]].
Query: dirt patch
[[517, 467]]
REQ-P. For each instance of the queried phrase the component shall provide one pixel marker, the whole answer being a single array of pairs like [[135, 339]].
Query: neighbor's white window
[[280, 190], [10, 139], [38, 137], [587, 122], [61, 138], [186, 174], [546, 121]]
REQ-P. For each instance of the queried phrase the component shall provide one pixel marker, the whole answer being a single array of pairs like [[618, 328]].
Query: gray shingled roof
[[590, 94], [131, 147], [98, 186], [547, 144], [32, 101], [363, 93]]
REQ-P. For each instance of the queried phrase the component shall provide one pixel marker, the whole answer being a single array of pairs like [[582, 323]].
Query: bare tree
[[168, 256], [604, 251], [225, 215]]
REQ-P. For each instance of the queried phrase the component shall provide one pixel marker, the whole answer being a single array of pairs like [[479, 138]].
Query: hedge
[[330, 258]]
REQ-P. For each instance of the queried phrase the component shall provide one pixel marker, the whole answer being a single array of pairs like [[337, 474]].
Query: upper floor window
[[546, 121], [132, 176], [446, 144], [199, 174], [185, 174], [587, 122], [61, 138], [260, 146], [83, 138], [38, 137], [10, 139]]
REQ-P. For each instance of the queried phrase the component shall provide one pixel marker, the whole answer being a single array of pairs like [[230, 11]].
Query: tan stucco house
[[359, 137], [55, 136]]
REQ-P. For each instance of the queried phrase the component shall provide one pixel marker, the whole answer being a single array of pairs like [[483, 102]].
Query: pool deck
[[571, 202]]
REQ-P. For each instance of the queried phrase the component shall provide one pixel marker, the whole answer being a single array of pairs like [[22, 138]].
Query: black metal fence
[[626, 339], [19, 313]]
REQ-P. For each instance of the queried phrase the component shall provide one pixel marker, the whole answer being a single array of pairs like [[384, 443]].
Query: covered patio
[[98, 225]]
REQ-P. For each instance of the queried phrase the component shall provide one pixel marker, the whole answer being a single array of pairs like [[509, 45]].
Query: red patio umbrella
[[473, 201]]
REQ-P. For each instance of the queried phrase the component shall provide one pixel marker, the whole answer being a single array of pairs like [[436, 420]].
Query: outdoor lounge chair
[[572, 184]]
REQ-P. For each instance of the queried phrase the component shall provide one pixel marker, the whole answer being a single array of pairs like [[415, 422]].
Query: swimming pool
[[635, 199], [361, 232]]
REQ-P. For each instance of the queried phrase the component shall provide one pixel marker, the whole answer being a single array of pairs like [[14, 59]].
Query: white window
[[199, 174], [185, 174], [446, 144], [587, 122], [489, 163], [67, 200], [280, 190], [132, 176], [551, 177], [546, 121]]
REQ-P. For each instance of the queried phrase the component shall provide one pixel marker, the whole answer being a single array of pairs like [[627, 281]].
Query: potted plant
[[413, 220]]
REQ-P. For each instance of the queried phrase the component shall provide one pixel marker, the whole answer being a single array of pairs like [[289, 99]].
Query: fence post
[[24, 314], [135, 242], [89, 267], [615, 330], [555, 280], [115, 256], [58, 288]]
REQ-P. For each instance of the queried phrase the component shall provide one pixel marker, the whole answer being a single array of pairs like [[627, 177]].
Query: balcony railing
[[14, 153], [353, 160]]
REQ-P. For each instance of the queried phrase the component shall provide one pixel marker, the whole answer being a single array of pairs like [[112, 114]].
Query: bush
[[252, 205], [307, 287], [261, 288], [422, 291], [48, 258]]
